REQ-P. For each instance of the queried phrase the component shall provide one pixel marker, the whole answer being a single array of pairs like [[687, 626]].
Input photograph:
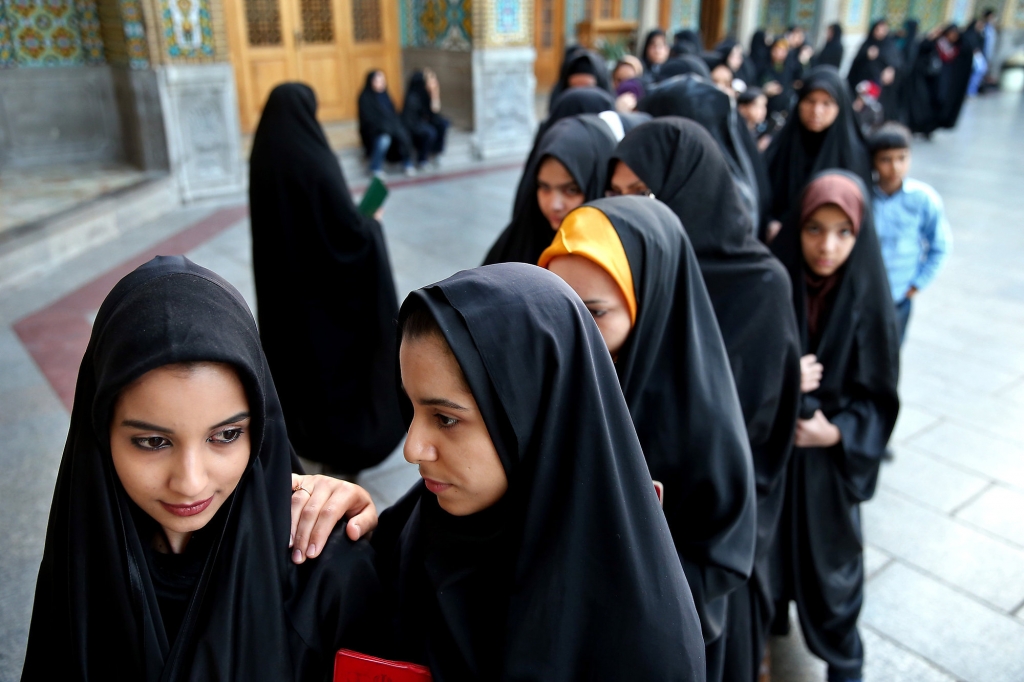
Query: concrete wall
[[455, 74], [38, 127]]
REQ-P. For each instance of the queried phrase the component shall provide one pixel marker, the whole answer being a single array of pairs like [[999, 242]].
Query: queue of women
[[643, 427]]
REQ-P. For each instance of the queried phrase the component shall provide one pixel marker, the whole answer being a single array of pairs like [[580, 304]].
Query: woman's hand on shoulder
[[318, 504]]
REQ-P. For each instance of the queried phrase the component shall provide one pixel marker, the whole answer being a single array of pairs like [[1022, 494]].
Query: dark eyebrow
[[146, 426], [231, 420], [443, 402], [591, 301]]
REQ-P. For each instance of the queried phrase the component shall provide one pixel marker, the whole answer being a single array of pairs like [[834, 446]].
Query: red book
[[352, 666]]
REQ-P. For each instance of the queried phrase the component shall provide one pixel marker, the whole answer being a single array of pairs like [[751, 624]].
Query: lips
[[190, 509], [436, 487]]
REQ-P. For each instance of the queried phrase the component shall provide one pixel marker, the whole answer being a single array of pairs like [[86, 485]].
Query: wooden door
[[712, 22], [549, 41], [329, 44]]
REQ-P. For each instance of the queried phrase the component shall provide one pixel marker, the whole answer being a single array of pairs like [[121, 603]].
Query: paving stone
[[912, 421], [885, 661], [952, 551], [955, 632], [874, 561], [929, 480], [998, 510], [992, 457]]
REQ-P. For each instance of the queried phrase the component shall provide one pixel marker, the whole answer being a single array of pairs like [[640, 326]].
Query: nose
[[557, 201], [418, 447], [189, 477]]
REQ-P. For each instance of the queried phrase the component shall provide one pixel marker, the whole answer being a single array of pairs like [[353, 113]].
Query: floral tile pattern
[[49, 33]]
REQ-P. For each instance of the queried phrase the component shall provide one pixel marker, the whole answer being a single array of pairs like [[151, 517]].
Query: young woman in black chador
[[326, 297], [822, 133], [534, 548], [849, 370], [167, 548], [630, 261], [568, 167], [751, 296]]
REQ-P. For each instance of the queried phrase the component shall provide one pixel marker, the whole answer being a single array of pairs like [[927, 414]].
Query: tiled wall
[[49, 33], [437, 24]]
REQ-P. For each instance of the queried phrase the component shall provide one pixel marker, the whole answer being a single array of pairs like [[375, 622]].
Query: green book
[[376, 195]]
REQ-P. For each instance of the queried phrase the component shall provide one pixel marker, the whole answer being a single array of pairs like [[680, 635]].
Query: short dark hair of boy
[[889, 135]]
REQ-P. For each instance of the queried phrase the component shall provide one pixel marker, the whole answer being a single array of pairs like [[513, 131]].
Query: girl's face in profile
[[601, 294], [448, 438], [179, 439], [827, 239]]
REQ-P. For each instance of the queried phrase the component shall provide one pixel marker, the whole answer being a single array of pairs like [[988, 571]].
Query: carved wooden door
[[549, 41], [327, 44]]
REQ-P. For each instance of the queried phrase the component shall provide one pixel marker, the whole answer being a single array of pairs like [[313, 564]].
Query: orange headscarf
[[587, 232]]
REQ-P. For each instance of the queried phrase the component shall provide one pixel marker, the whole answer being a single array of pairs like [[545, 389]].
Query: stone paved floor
[[945, 532]]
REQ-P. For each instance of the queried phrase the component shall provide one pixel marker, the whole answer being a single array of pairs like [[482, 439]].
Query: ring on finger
[[297, 489]]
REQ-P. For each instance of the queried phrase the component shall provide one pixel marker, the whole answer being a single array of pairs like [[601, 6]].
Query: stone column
[[648, 20], [196, 92], [503, 82]]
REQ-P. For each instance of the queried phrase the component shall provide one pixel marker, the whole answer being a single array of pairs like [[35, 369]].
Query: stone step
[[33, 248]]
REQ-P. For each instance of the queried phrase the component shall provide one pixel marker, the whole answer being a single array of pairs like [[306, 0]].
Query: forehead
[[829, 215], [588, 279], [819, 96], [428, 365], [553, 170]]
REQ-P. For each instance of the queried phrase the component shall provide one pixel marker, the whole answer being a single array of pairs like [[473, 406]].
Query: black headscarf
[[796, 154], [580, 60], [588, 584], [416, 107], [675, 375], [377, 116], [583, 144], [820, 537], [760, 53], [699, 100], [685, 64], [253, 614], [751, 295], [327, 300], [686, 42], [747, 71], [935, 89], [831, 53]]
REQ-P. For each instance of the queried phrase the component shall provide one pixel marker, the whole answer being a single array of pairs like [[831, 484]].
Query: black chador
[[105, 603], [583, 144], [866, 68], [847, 320], [675, 375], [751, 295], [796, 153], [579, 60], [572, 575], [326, 298], [699, 100]]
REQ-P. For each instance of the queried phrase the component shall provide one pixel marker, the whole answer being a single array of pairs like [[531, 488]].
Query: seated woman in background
[[849, 369], [167, 548], [534, 548], [383, 134], [422, 117]]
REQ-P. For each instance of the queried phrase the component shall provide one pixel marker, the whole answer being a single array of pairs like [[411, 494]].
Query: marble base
[[200, 115], [39, 128], [503, 101]]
